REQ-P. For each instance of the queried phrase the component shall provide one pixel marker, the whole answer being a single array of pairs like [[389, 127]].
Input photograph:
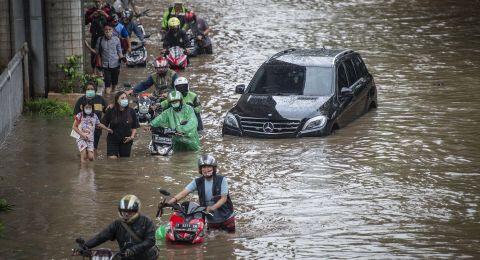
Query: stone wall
[[64, 34], [5, 40]]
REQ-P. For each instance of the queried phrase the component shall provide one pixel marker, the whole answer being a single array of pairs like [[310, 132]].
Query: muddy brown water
[[403, 181]]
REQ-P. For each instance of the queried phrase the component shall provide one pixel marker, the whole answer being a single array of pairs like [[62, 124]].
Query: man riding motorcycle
[[213, 194], [178, 10], [162, 79], [189, 97], [181, 118], [200, 30], [134, 232], [175, 36], [132, 26]]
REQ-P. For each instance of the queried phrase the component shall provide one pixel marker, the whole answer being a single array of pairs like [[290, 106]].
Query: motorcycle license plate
[[186, 227], [163, 140]]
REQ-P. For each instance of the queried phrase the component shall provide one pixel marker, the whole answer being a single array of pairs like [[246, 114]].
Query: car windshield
[[290, 79]]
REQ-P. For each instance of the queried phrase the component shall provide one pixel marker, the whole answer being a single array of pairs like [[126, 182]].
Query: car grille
[[267, 126]]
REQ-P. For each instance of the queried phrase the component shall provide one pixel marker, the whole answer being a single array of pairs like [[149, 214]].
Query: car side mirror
[[240, 89]]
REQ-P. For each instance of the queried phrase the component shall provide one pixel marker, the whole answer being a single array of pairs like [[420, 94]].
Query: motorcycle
[[177, 58], [138, 56], [161, 143], [143, 108], [96, 254], [186, 224]]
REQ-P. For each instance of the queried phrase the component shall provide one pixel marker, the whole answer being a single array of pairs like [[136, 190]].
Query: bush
[[74, 78], [48, 107]]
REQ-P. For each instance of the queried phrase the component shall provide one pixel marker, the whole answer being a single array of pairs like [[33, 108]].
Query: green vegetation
[[4, 207], [48, 108], [74, 78]]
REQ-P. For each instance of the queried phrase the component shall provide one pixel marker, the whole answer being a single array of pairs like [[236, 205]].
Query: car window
[[342, 81], [352, 77], [291, 79], [359, 66]]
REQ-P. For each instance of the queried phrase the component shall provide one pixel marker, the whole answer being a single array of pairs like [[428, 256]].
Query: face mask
[[90, 93], [88, 111], [109, 34], [176, 105], [123, 102], [98, 5]]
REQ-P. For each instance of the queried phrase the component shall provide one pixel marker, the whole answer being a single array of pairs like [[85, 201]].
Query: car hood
[[279, 107]]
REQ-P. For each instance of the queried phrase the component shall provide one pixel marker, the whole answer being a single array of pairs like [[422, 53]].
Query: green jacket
[[163, 84], [190, 99], [172, 119], [169, 13]]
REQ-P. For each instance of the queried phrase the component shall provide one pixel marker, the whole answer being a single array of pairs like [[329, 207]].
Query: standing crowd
[[111, 29]]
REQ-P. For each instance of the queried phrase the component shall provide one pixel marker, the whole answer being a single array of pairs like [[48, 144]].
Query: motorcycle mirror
[[80, 241], [164, 192]]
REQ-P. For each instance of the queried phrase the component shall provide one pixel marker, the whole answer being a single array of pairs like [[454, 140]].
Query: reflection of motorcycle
[[186, 224], [161, 143], [177, 58]]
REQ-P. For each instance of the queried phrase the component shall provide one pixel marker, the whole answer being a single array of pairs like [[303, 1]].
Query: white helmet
[[181, 84], [180, 81]]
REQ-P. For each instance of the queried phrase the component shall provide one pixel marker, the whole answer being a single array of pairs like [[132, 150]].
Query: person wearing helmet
[[213, 194], [163, 79], [200, 30], [131, 25], [189, 98], [179, 117], [178, 10], [134, 232], [122, 33], [175, 35]]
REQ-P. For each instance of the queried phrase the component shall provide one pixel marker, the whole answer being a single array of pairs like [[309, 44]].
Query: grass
[[48, 108]]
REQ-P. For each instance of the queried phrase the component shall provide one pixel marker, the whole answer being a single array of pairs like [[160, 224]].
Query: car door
[[344, 111], [363, 84], [358, 87]]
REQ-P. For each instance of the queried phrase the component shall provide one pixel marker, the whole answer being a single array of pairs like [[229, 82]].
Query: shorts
[[228, 225], [83, 144], [110, 75], [117, 148]]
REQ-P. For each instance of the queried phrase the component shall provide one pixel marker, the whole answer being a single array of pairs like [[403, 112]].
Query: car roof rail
[[343, 53], [278, 54]]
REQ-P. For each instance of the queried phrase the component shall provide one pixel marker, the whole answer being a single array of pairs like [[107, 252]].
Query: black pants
[[96, 137], [116, 147], [111, 76], [93, 44]]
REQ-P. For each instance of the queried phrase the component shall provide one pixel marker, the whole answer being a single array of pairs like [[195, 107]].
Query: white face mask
[[88, 111], [123, 102], [109, 34]]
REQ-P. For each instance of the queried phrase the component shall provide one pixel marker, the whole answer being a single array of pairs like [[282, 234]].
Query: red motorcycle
[[186, 224], [177, 58]]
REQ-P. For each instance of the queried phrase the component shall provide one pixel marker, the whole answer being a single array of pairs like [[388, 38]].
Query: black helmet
[[207, 160]]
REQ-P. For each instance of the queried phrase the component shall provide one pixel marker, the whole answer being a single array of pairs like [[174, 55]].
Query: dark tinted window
[[352, 77], [291, 79], [359, 66], [342, 81]]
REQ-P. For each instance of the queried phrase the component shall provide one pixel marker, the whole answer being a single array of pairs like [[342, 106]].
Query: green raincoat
[[171, 119]]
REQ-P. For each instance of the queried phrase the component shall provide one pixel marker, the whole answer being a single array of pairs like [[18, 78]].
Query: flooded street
[[403, 181]]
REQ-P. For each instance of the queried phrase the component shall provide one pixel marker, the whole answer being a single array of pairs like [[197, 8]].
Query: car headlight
[[231, 120], [317, 122]]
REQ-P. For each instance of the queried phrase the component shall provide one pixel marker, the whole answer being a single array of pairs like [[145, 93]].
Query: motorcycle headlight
[[315, 123], [231, 120]]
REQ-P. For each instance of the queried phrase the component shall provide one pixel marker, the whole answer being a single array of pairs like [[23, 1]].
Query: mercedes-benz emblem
[[268, 127]]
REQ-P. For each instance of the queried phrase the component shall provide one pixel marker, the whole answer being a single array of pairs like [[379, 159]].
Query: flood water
[[403, 181]]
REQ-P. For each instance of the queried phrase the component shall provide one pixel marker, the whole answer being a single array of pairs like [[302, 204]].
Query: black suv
[[300, 93]]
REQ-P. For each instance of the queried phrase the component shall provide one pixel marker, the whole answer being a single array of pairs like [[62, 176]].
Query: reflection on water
[[402, 181]]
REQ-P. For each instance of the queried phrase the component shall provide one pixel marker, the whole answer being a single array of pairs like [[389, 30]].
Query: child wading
[[85, 124]]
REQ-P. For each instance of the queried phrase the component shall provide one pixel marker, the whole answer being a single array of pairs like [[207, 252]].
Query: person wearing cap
[[134, 232], [213, 194], [181, 118], [177, 10], [163, 79]]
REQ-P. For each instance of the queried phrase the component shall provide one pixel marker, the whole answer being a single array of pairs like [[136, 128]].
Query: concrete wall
[[5, 41], [64, 34]]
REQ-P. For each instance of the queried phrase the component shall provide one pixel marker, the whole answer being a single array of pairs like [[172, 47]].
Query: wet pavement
[[403, 181]]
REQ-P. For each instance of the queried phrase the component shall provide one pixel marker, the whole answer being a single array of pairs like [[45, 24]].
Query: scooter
[[138, 56], [177, 58], [161, 143], [96, 254], [186, 224]]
